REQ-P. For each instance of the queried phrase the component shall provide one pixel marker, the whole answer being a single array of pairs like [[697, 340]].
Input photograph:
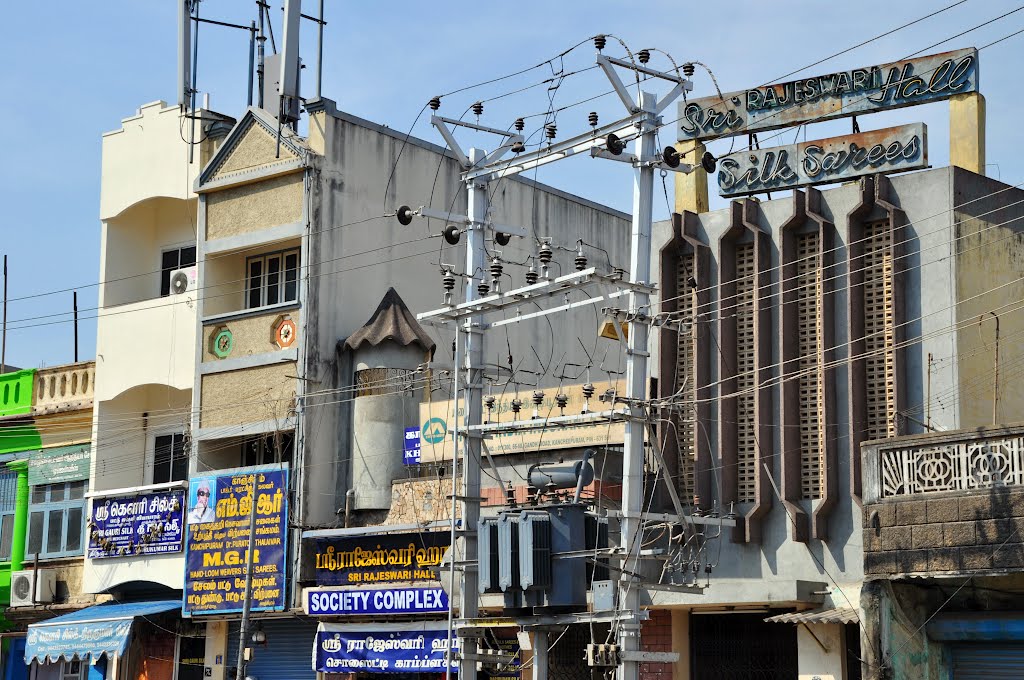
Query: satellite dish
[[708, 162], [615, 145], [671, 157], [451, 234], [404, 215], [179, 282], [502, 238]]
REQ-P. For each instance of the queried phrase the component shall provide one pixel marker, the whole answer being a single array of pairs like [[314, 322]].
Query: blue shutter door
[[288, 654], [985, 662]]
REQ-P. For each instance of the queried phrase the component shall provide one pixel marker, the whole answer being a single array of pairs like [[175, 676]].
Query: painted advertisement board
[[140, 524], [217, 540], [375, 601], [61, 464], [348, 560], [835, 95], [438, 418], [822, 161]]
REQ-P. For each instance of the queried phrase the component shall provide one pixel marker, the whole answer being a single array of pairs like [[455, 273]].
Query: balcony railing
[[64, 387]]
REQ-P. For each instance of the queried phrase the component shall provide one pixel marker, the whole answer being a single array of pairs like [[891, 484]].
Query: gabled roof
[[391, 322], [264, 158]]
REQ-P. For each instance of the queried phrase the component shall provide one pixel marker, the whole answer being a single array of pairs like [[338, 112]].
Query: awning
[[94, 631], [837, 615]]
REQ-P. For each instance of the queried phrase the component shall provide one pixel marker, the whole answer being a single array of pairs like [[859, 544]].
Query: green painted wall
[[16, 392]]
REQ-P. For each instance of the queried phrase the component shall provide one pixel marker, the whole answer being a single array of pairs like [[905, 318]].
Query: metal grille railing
[[954, 466], [746, 442]]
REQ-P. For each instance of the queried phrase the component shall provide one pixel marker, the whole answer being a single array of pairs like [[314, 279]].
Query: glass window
[[8, 497], [266, 451], [56, 520], [170, 460], [272, 279], [173, 259]]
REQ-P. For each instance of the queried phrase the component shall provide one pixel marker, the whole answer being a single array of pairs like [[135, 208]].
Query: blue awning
[[94, 631]]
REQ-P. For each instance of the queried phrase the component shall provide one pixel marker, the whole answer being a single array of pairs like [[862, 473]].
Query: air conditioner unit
[[183, 280], [33, 586]]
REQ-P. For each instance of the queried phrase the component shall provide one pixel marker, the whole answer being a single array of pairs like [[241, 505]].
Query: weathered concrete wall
[[248, 396], [255, 206], [251, 334]]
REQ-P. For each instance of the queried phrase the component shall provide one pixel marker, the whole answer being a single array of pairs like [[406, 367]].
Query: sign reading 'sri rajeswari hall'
[[835, 95]]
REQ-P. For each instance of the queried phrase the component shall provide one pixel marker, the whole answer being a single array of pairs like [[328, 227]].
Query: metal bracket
[[649, 657]]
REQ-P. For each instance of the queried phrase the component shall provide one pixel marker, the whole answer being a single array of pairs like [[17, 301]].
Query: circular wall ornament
[[284, 333], [223, 343]]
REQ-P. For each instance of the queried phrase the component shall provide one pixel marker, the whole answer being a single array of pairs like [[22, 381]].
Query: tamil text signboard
[[371, 601], [437, 420], [845, 93], [141, 524], [61, 464], [382, 648], [822, 161], [348, 560], [217, 540]]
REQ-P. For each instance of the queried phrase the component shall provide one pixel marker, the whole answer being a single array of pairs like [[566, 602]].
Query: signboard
[[513, 669], [217, 540], [438, 418], [387, 648], [347, 560], [61, 464], [411, 446], [845, 93], [358, 601], [822, 161], [142, 524]]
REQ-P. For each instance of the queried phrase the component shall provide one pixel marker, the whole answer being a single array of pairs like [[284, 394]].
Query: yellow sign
[[437, 421]]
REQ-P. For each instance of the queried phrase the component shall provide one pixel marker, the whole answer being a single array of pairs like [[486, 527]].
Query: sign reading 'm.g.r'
[[863, 90]]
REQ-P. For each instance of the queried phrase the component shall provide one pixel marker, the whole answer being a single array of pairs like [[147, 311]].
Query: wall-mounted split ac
[[33, 586], [183, 280]]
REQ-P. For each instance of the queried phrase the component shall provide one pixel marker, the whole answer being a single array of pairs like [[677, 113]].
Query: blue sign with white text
[[145, 524], [399, 648], [411, 446], [351, 601]]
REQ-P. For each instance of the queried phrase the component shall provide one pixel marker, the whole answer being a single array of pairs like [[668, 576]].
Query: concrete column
[[681, 643], [967, 132], [692, 188], [20, 514], [215, 658]]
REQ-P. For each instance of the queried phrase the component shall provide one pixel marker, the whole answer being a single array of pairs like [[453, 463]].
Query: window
[[72, 670], [8, 494], [176, 258], [170, 459], [265, 451], [55, 521], [272, 279]]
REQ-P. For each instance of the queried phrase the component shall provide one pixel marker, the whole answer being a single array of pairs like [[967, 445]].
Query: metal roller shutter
[[985, 662], [288, 654]]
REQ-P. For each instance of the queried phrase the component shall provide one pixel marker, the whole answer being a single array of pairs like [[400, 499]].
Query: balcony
[[945, 503], [64, 388]]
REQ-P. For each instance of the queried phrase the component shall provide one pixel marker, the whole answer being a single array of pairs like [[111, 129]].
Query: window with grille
[[879, 331], [8, 498], [272, 279], [809, 347], [746, 442], [686, 377], [56, 519], [171, 260]]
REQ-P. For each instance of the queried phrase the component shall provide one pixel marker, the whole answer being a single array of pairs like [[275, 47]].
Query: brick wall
[[656, 636], [947, 532]]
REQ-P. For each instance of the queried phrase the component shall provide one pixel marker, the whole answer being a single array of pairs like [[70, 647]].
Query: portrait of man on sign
[[203, 504]]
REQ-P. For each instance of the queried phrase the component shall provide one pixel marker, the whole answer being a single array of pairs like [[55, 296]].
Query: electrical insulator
[[581, 259], [517, 405], [517, 147], [599, 42], [538, 399], [688, 69], [519, 124], [434, 103], [588, 392], [643, 56], [489, 404], [562, 400], [531, 276], [618, 273], [448, 283], [592, 119], [496, 267], [482, 288], [478, 109], [550, 130]]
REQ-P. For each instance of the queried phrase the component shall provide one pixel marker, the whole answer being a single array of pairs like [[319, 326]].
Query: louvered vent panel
[[744, 311], [808, 289], [686, 378], [879, 331]]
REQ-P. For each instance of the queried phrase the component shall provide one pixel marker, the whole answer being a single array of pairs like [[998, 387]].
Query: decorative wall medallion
[[284, 332], [222, 343]]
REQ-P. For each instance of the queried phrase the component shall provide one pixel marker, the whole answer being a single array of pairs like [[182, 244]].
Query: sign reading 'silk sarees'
[[823, 161], [845, 93], [218, 540]]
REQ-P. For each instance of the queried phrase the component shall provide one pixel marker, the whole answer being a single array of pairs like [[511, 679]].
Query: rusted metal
[[864, 90], [824, 161]]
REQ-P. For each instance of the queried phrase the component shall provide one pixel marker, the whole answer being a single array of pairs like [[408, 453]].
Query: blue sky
[[76, 70]]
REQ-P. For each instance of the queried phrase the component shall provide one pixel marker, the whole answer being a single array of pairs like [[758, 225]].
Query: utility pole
[[74, 305], [3, 333], [243, 633]]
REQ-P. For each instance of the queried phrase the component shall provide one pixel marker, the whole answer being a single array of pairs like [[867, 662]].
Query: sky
[[77, 70]]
